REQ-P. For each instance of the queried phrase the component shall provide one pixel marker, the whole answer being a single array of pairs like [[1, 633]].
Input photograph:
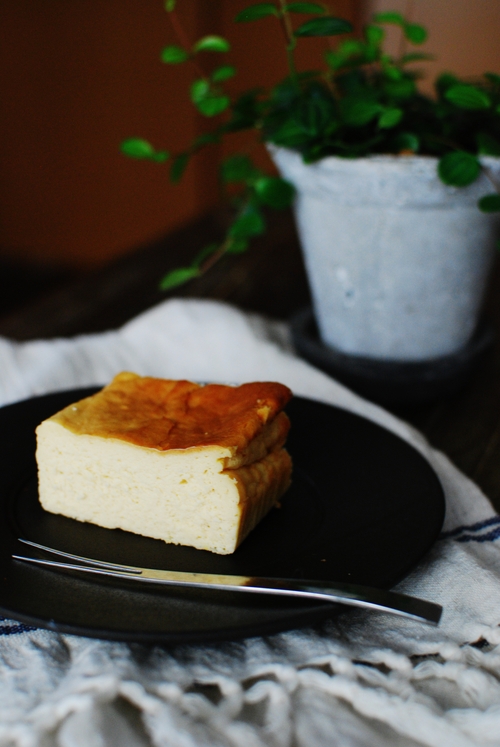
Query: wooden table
[[270, 279]]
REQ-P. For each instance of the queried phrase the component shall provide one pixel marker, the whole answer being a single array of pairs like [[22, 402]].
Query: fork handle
[[352, 595]]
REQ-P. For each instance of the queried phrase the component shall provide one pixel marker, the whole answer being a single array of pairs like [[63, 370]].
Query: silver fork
[[325, 591]]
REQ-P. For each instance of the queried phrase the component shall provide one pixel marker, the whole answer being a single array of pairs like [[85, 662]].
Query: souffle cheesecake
[[188, 464]]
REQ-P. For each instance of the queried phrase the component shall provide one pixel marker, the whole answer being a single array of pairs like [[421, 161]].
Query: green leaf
[[245, 112], [328, 26], [255, 12], [335, 60], [212, 44], [303, 121], [305, 8], [135, 147], [445, 81], [206, 138], [169, 5], [350, 47], [213, 104], [408, 141], [487, 145], [250, 223], [468, 97], [415, 33], [200, 89], [391, 72], [237, 168], [490, 203], [237, 246], [207, 101], [348, 53], [290, 134], [223, 73], [178, 167], [178, 277], [493, 78], [389, 17], [374, 35], [173, 55], [358, 113], [160, 156], [390, 118], [274, 192], [459, 168], [400, 89]]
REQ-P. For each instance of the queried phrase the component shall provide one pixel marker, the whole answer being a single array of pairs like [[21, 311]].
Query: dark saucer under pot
[[390, 382]]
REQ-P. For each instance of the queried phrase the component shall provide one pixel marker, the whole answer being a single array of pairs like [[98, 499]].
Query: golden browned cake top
[[164, 414]]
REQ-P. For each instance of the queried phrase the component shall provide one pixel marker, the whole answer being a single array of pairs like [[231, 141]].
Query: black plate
[[364, 507]]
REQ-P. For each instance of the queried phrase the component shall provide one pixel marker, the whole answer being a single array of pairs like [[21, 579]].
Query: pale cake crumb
[[208, 496]]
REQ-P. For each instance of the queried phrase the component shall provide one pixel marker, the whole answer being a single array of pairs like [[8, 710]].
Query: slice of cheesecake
[[188, 464]]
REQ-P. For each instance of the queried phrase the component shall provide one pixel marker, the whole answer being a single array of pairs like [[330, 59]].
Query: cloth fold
[[359, 679]]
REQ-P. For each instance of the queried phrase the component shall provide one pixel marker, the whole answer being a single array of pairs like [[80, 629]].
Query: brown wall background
[[78, 77], [463, 34]]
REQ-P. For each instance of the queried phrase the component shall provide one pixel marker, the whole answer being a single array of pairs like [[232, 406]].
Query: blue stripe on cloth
[[7, 628], [488, 537], [477, 527]]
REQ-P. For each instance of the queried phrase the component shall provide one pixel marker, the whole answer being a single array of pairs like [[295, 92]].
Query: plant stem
[[487, 172], [184, 41], [213, 258], [443, 140], [291, 41], [409, 17], [219, 253]]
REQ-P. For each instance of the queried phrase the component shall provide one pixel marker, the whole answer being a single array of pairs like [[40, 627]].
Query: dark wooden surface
[[270, 279]]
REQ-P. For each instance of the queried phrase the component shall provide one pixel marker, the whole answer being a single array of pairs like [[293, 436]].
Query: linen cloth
[[363, 679]]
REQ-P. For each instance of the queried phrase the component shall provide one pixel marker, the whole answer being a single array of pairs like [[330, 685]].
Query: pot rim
[[374, 158], [411, 181]]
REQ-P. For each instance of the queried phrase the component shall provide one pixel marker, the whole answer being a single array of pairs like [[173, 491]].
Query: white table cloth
[[361, 680]]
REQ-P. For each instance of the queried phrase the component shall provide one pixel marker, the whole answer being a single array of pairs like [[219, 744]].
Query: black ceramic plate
[[364, 507]]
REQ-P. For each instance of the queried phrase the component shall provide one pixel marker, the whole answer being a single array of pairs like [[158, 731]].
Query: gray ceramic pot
[[397, 261]]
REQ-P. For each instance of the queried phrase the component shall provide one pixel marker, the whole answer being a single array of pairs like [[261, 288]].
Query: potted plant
[[395, 192]]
